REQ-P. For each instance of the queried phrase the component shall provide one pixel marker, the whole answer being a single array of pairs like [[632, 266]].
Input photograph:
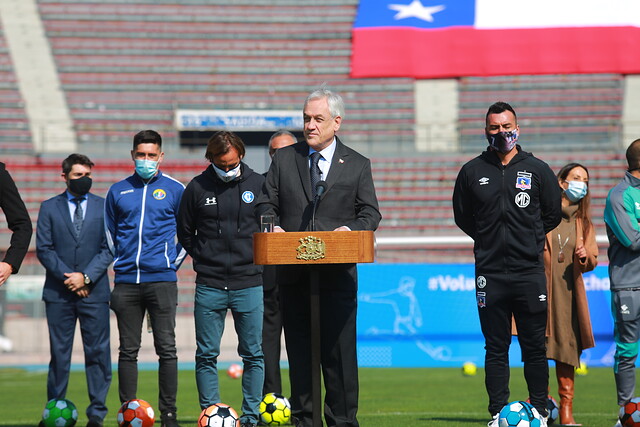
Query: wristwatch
[[86, 279]]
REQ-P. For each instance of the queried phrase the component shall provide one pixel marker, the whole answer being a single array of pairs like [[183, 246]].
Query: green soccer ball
[[275, 410], [59, 413]]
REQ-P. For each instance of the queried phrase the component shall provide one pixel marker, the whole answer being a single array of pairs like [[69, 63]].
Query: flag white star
[[415, 10]]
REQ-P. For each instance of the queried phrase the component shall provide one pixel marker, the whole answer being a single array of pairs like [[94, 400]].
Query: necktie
[[314, 171], [77, 215]]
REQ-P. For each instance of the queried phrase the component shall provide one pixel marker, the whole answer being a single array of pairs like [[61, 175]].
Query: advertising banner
[[426, 315]]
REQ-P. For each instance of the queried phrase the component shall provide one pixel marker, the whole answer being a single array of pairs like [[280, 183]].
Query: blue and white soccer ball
[[519, 414]]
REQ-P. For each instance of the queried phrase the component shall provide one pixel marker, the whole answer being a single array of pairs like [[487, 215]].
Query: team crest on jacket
[[159, 194], [523, 181], [247, 197], [481, 297]]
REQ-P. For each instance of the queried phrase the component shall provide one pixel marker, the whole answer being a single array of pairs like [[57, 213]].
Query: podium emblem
[[310, 249]]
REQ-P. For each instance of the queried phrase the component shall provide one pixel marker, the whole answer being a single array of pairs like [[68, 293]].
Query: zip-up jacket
[[140, 221], [216, 225], [507, 210], [621, 216]]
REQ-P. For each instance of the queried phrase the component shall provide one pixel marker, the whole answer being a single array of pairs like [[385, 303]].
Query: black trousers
[[523, 297], [271, 334], [338, 353], [130, 302]]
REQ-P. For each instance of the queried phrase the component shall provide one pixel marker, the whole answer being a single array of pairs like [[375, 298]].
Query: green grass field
[[388, 397]]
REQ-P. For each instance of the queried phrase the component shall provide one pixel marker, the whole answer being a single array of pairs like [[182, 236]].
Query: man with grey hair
[[272, 320], [348, 203]]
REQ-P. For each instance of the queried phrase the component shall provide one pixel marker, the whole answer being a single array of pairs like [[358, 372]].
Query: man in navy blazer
[[71, 245]]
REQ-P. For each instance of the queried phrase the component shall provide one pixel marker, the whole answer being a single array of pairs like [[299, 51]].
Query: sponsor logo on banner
[[451, 283]]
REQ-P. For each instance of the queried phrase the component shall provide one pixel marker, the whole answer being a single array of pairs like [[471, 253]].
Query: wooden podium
[[313, 248]]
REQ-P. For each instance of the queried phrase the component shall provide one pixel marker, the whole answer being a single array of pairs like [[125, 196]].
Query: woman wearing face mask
[[570, 250]]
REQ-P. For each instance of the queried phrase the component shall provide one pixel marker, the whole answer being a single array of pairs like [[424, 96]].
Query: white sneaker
[[494, 421]]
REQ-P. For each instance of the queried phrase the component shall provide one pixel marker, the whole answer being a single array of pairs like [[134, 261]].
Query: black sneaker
[[169, 420], [94, 422]]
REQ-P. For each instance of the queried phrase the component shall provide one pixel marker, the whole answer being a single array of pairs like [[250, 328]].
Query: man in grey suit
[[71, 244], [348, 203]]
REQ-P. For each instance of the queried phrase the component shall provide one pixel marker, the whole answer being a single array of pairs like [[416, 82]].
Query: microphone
[[321, 186]]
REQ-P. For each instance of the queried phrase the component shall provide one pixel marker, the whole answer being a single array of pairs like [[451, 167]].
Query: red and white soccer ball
[[235, 371], [219, 415], [136, 413], [630, 413]]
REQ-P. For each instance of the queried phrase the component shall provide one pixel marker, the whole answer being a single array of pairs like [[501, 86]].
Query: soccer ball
[[218, 415], [582, 370], [469, 369], [59, 413], [630, 413], [553, 409], [519, 414], [136, 413], [275, 410], [235, 371]]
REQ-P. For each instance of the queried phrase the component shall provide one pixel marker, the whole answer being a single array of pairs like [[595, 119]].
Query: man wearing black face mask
[[71, 245], [506, 200]]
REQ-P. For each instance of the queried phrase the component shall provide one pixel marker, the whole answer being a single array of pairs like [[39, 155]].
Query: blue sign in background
[[425, 315]]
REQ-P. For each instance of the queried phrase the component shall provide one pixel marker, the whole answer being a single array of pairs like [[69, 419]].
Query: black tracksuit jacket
[[216, 223], [507, 210]]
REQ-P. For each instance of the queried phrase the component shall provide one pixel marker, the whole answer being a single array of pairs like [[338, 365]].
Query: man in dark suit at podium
[[348, 203]]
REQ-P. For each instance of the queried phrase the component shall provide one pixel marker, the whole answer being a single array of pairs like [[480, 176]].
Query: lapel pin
[[341, 161]]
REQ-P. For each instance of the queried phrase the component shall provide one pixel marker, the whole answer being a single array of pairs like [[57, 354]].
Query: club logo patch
[[523, 181], [159, 194], [484, 180], [247, 197], [481, 282], [522, 200], [481, 298]]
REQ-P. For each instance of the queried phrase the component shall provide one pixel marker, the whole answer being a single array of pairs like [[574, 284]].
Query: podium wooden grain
[[340, 247]]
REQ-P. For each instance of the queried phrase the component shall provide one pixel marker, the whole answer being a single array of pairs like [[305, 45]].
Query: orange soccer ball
[[219, 415], [136, 413], [235, 371]]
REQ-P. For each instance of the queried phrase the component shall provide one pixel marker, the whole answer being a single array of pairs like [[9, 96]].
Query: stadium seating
[[124, 67], [15, 136]]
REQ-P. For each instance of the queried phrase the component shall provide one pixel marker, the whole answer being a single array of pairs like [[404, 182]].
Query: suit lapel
[[90, 213], [302, 162], [338, 163], [63, 206]]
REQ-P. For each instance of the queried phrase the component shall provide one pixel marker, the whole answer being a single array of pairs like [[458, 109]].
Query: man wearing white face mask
[[140, 214], [216, 225], [506, 200]]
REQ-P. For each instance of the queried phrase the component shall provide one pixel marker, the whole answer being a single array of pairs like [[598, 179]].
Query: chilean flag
[[452, 38]]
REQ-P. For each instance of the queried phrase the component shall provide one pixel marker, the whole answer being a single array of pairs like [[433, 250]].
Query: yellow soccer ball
[[469, 369], [582, 370]]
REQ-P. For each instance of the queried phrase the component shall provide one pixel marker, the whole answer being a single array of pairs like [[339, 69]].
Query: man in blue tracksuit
[[622, 216], [140, 216]]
